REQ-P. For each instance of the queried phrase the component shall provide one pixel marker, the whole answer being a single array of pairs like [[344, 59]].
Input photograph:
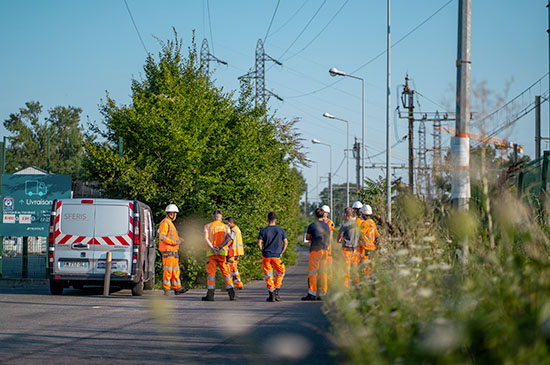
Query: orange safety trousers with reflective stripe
[[352, 260], [329, 254], [211, 263], [317, 273], [171, 270], [233, 263], [273, 266]]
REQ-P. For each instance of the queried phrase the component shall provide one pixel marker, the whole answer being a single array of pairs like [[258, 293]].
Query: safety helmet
[[357, 205], [172, 208], [366, 209], [326, 208]]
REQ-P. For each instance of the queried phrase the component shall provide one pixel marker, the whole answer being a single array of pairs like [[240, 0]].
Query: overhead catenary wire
[[377, 56], [290, 19], [136, 27], [210, 25]]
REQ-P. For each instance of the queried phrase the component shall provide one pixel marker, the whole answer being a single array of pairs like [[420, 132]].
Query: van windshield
[[111, 220], [77, 220]]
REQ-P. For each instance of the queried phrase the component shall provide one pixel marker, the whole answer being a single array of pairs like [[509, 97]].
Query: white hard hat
[[172, 208], [366, 209], [326, 208], [357, 205]]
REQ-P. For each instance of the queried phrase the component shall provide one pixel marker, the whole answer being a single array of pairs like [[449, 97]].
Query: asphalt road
[[82, 326]]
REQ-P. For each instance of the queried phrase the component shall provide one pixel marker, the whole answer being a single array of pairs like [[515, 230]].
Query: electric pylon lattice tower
[[206, 57]]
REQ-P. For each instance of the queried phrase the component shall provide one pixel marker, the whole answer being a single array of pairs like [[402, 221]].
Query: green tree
[[190, 143], [29, 139]]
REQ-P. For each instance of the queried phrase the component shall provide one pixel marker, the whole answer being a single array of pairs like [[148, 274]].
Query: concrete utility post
[[460, 143], [388, 122]]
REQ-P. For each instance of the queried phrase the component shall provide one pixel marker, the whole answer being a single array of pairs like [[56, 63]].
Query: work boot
[[232, 295], [276, 295], [166, 292], [309, 297], [270, 298], [180, 291], [209, 296]]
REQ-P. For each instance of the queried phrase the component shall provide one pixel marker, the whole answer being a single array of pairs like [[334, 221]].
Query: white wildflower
[[425, 292], [401, 252]]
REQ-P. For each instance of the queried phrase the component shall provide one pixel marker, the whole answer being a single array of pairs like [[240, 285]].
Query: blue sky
[[73, 52]]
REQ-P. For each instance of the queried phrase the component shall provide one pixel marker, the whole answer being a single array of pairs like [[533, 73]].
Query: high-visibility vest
[[168, 235], [330, 223], [236, 247], [359, 221], [217, 233], [369, 233]]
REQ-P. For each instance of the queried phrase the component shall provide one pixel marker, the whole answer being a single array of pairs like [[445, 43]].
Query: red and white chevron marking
[[68, 239]]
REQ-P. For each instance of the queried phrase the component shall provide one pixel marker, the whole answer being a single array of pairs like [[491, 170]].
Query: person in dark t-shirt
[[318, 234], [272, 242]]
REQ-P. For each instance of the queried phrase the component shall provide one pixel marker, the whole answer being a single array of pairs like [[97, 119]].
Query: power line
[[135, 26], [320, 32], [210, 24], [271, 22], [377, 56], [304, 29], [290, 19]]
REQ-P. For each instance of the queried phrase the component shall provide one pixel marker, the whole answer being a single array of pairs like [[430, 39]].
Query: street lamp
[[330, 116], [316, 141], [336, 72]]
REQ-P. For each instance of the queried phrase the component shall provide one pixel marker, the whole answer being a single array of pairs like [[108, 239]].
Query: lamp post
[[316, 141], [330, 116], [335, 72]]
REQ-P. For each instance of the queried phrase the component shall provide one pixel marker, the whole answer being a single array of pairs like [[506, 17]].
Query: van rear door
[[113, 232], [74, 232]]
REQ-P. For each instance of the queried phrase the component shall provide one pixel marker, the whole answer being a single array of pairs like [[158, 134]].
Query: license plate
[[73, 264], [115, 265]]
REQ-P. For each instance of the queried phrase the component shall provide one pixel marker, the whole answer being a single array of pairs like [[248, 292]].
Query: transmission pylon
[[259, 75], [422, 174], [206, 57]]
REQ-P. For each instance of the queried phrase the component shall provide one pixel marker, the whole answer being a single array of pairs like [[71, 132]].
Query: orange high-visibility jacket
[[168, 236], [217, 233], [369, 233], [330, 224], [236, 247]]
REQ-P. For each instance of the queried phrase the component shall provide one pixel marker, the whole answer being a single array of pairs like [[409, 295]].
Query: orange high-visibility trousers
[[170, 270], [211, 263], [270, 263], [329, 262], [351, 258], [233, 263], [364, 251], [317, 271]]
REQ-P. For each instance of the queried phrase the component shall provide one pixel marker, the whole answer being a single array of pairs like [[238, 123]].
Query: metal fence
[[533, 184]]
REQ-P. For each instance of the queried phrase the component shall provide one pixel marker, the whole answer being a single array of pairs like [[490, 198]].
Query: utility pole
[[537, 126], [460, 143], [305, 204], [408, 103], [357, 156], [388, 118]]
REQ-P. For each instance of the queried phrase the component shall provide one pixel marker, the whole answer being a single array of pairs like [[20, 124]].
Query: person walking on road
[[348, 236], [217, 237], [236, 249], [272, 242], [318, 235], [169, 243], [326, 211], [369, 235]]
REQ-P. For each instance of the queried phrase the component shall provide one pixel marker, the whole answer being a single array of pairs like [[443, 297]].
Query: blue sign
[[27, 202]]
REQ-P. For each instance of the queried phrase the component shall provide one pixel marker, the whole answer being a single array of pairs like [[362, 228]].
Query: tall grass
[[427, 302]]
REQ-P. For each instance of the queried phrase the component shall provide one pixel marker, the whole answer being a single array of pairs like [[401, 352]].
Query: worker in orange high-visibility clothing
[[348, 236], [217, 237], [369, 235], [357, 212], [236, 249], [326, 210], [272, 242], [169, 243], [318, 234]]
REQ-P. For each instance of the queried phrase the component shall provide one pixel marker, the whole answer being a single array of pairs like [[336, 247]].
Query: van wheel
[[150, 284], [56, 288], [137, 289]]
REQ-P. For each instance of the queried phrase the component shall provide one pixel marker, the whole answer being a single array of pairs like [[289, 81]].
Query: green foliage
[[189, 143], [29, 140], [431, 300]]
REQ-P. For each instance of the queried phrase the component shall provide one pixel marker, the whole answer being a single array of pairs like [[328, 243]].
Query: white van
[[82, 231]]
